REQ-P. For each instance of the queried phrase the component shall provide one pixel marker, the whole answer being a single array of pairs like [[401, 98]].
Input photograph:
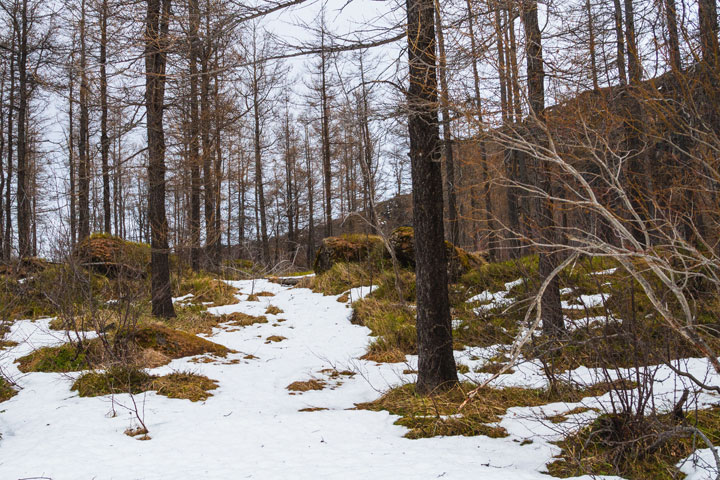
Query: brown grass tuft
[[307, 385], [273, 310]]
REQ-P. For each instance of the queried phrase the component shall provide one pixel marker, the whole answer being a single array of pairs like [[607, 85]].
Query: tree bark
[[156, 38], [436, 363], [104, 140], [83, 150], [23, 199], [553, 322], [447, 137]]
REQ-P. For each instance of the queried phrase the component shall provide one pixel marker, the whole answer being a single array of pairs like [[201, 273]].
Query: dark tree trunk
[[83, 150], [259, 186], [447, 134], [436, 363], [552, 317], [619, 42], [71, 155], [23, 199], [104, 141], [325, 127], [311, 201], [156, 38], [634, 64], [673, 40], [707, 14], [194, 12], [7, 247], [485, 180]]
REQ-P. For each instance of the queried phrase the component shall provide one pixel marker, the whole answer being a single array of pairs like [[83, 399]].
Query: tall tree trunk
[[311, 200], [619, 42], [157, 42], [447, 137], [104, 140], [634, 63], [673, 40], [194, 39], [436, 363], [552, 317], [325, 133], [7, 246], [591, 41], [259, 187], [707, 14], [23, 199], [2, 155], [207, 151], [83, 150], [71, 152], [485, 179]]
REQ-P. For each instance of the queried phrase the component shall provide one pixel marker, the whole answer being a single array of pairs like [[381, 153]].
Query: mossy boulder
[[353, 248], [402, 240], [110, 255]]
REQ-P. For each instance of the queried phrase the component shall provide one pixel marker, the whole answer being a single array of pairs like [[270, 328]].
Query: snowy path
[[251, 427]]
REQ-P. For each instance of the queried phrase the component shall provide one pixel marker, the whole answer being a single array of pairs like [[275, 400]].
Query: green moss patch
[[6, 390], [119, 379], [428, 416]]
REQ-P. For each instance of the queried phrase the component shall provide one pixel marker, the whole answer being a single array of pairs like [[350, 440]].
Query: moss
[[189, 386], [428, 416], [112, 256], [117, 379], [636, 448], [125, 379], [64, 358], [173, 343], [392, 323], [148, 345], [207, 289], [6, 390], [355, 248]]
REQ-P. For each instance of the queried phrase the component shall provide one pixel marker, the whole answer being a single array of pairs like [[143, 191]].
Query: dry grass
[[637, 448], [275, 339], [312, 409], [239, 319], [6, 390], [207, 289], [185, 385], [306, 385], [434, 415], [563, 417], [148, 346], [273, 310], [133, 380], [390, 355], [393, 324]]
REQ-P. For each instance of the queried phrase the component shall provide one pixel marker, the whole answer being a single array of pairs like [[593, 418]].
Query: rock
[[348, 248], [109, 255], [402, 240]]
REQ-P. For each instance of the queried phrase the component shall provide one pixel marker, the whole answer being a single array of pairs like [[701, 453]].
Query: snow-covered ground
[[252, 427]]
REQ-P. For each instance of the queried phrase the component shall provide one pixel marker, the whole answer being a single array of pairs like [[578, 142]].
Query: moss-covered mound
[[148, 345], [402, 240], [110, 255], [348, 248], [133, 380]]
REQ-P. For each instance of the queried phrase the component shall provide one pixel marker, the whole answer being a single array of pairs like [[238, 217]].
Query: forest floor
[[253, 426]]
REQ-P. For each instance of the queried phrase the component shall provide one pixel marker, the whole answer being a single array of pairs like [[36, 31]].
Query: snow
[[252, 427]]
